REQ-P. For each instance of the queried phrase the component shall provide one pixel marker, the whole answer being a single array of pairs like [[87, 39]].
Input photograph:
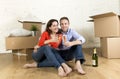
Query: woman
[[45, 53]]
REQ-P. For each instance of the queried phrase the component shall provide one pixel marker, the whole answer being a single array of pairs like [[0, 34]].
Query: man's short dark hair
[[62, 18]]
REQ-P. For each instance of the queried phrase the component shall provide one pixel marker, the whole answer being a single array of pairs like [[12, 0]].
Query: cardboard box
[[106, 25], [110, 47], [22, 54], [28, 24], [21, 42]]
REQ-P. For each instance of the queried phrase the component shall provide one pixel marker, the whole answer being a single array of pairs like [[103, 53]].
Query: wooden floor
[[107, 69]]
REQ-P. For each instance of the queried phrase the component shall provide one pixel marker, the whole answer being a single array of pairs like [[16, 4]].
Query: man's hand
[[68, 44]]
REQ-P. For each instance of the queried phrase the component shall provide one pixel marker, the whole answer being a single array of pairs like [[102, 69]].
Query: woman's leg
[[45, 63], [38, 57], [30, 65], [62, 61], [45, 51], [50, 60]]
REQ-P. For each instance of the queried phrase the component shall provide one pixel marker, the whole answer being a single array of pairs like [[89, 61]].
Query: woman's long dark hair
[[49, 25]]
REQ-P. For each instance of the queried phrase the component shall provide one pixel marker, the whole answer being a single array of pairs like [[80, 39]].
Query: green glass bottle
[[94, 58]]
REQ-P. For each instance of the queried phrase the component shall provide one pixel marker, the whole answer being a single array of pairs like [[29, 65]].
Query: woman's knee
[[34, 56], [47, 47]]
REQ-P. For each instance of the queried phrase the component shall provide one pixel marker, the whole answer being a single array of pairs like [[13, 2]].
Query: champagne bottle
[[94, 58]]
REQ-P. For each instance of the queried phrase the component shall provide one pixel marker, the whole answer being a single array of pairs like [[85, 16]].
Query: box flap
[[103, 15], [21, 21], [90, 20]]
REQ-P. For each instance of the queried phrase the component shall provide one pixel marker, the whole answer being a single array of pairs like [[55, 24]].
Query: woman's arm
[[47, 41], [43, 38], [53, 39]]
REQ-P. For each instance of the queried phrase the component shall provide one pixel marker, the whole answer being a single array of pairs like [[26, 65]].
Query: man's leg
[[66, 55], [74, 52], [79, 58]]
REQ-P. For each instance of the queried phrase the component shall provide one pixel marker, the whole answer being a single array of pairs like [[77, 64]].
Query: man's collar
[[66, 31]]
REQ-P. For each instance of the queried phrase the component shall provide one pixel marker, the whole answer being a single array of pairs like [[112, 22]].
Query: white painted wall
[[78, 12]]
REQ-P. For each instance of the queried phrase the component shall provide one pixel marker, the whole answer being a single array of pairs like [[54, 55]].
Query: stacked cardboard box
[[107, 27], [22, 47], [22, 54]]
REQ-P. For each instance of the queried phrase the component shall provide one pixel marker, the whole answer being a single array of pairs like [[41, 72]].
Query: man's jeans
[[73, 52]]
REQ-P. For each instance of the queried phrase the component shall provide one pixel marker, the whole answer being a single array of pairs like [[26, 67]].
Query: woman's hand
[[36, 48], [54, 38]]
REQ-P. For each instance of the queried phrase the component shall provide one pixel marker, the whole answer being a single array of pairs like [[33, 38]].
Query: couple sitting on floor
[[57, 46]]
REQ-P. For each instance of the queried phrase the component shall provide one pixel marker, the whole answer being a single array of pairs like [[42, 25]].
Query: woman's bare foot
[[66, 68], [32, 65], [61, 72], [78, 67]]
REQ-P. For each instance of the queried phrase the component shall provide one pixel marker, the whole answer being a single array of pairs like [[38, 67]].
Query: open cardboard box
[[22, 47], [24, 42], [106, 25], [28, 24]]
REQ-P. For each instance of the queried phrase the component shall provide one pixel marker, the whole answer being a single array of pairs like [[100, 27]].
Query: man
[[71, 46]]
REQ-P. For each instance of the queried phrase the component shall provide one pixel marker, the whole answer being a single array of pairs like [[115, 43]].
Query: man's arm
[[68, 44], [78, 39]]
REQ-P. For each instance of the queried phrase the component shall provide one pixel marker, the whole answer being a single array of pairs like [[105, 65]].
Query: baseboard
[[5, 51]]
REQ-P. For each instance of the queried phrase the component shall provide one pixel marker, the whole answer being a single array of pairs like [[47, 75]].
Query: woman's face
[[54, 27]]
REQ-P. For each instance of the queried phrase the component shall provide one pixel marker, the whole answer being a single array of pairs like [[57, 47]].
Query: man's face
[[64, 25]]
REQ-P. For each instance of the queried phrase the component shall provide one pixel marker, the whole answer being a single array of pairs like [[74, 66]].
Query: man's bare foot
[[32, 65], [78, 67], [61, 72], [66, 68]]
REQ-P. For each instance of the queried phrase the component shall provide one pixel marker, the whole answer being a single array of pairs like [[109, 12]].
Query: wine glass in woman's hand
[[54, 38]]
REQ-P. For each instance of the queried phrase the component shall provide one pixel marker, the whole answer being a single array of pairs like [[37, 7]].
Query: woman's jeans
[[47, 56]]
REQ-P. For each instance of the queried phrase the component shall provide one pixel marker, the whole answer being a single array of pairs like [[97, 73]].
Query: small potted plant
[[34, 30]]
